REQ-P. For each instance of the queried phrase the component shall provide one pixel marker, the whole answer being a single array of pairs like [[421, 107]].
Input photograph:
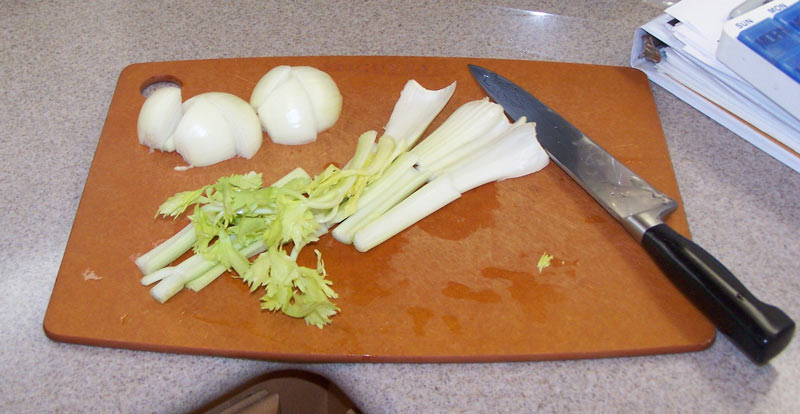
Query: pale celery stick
[[181, 274], [295, 173], [365, 215], [413, 113], [380, 188], [433, 196], [514, 154], [166, 252]]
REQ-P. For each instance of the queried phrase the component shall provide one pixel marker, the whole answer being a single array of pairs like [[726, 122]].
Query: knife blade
[[759, 330]]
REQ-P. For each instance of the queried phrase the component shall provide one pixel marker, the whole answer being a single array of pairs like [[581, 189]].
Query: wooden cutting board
[[461, 285]]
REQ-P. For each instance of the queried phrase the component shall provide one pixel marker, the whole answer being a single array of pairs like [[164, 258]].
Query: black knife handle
[[759, 330]]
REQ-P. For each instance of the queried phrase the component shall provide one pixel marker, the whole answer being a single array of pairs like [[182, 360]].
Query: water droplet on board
[[460, 291], [526, 289], [473, 211], [420, 316], [452, 322]]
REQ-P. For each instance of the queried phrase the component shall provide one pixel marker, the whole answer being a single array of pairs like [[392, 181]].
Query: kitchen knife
[[758, 329]]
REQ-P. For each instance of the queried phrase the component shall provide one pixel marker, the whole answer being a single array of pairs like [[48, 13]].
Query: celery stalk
[[413, 113], [474, 121], [433, 196], [180, 275], [369, 212], [397, 169], [471, 147], [297, 173], [515, 153], [166, 252]]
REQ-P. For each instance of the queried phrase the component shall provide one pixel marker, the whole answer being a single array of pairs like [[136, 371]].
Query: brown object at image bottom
[[460, 285], [283, 392]]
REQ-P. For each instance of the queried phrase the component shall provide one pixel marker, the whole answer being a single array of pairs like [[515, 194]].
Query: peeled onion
[[241, 119], [203, 136], [158, 117], [294, 104], [204, 130]]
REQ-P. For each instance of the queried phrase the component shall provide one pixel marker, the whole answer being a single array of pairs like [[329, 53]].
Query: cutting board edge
[[353, 358]]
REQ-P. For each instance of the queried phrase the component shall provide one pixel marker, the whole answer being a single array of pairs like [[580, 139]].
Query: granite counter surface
[[60, 61]]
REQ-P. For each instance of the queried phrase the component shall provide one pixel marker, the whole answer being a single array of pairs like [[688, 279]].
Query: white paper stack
[[677, 50]]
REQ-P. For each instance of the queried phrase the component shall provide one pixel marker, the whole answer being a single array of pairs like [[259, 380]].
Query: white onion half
[[158, 117], [294, 104], [203, 136], [241, 119], [204, 130]]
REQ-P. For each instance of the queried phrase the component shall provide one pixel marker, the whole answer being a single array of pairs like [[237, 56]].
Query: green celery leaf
[[178, 203], [313, 312], [297, 291], [227, 254], [258, 273], [250, 229], [298, 223], [249, 181], [205, 228]]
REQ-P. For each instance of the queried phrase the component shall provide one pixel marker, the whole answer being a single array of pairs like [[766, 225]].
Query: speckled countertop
[[60, 61]]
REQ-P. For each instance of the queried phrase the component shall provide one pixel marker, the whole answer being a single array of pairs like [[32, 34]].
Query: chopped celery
[[544, 262], [385, 187], [513, 151], [233, 220], [298, 291]]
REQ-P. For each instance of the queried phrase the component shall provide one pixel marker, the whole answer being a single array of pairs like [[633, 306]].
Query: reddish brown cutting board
[[461, 285]]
